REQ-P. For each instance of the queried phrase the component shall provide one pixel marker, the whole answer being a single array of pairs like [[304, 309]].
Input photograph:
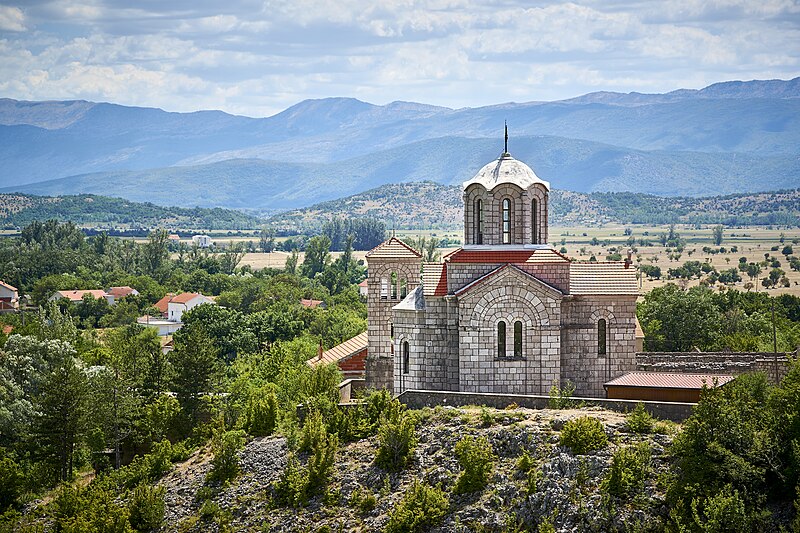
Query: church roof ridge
[[474, 283], [393, 248]]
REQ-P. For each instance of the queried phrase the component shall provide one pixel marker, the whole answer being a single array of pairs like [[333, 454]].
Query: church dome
[[506, 169]]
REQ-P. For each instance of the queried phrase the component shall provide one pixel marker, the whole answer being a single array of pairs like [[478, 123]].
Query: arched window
[[384, 289], [601, 336], [506, 221], [534, 221], [393, 281], [478, 222], [501, 339], [517, 339], [405, 357], [403, 289]]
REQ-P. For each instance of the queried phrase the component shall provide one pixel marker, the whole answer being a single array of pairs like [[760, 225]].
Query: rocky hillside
[[534, 480], [424, 205]]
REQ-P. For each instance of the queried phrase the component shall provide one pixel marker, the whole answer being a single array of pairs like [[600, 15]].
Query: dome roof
[[506, 169]]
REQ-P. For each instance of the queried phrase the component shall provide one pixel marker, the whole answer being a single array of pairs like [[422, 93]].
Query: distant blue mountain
[[728, 137]]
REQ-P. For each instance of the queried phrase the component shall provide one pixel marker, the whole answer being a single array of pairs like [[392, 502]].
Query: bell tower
[[393, 271]]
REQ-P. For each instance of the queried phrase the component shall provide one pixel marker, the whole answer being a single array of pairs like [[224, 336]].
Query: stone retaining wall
[[417, 399], [716, 362]]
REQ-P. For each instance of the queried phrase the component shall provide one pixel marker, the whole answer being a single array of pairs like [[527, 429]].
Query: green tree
[[317, 256], [63, 408], [267, 239], [196, 370], [717, 232], [677, 320], [155, 252]]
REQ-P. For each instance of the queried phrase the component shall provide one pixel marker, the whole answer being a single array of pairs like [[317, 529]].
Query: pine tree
[[196, 368]]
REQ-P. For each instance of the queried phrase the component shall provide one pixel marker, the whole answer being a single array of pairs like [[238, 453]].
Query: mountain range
[[729, 137]]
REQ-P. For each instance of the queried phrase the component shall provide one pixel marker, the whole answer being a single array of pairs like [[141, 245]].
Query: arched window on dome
[[506, 221], [518, 339], [501, 339], [534, 221], [478, 222]]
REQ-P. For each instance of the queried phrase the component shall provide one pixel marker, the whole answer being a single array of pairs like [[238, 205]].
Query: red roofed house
[[313, 304], [76, 297], [183, 302], [362, 289], [115, 294], [506, 313], [349, 356], [9, 298]]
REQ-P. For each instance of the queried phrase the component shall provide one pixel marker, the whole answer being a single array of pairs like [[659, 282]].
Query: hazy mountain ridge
[[715, 140]]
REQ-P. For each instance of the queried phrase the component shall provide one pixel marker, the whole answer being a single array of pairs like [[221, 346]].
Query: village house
[[9, 298], [172, 306], [203, 241], [114, 294], [76, 296]]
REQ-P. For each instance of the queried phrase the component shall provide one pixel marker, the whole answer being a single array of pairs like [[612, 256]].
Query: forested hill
[[432, 205], [17, 210]]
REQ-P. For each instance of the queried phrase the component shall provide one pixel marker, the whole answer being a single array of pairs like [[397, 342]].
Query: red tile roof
[[602, 278], [313, 304], [184, 297], [121, 292], [363, 283], [341, 351], [394, 248], [77, 296], [163, 304], [7, 286], [434, 279], [539, 255], [7, 329], [669, 380]]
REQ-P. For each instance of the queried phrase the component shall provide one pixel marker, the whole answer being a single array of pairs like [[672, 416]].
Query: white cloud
[[258, 57], [12, 19]]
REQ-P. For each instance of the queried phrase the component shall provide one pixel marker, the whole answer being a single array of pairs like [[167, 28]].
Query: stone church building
[[506, 313]]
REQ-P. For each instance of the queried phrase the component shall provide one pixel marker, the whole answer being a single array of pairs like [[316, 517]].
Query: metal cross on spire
[[505, 151]]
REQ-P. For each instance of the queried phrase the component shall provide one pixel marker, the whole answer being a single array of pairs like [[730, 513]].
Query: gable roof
[[495, 255], [185, 297], [393, 248], [163, 304], [310, 303], [434, 279], [668, 380], [602, 278], [494, 273], [341, 351], [77, 296], [121, 291], [7, 286]]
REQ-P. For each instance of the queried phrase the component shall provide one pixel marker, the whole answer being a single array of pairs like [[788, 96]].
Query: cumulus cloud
[[257, 57]]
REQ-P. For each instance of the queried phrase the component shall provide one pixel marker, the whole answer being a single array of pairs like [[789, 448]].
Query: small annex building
[[663, 386], [349, 356], [505, 313]]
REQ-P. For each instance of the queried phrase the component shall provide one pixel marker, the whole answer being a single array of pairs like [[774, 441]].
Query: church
[[505, 313]]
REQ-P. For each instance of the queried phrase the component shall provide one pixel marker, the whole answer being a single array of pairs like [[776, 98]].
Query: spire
[[505, 151]]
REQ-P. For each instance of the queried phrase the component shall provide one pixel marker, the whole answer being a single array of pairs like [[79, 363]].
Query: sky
[[257, 58]]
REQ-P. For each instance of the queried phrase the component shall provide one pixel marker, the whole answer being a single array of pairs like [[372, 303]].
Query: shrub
[[320, 463], [291, 487], [628, 472], [261, 413], [476, 459], [561, 397], [11, 481], [421, 508], [225, 464], [313, 431], [396, 438], [583, 435], [297, 484], [363, 500], [639, 420], [146, 507]]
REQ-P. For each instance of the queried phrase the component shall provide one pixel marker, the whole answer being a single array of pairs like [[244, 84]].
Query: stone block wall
[[580, 362], [521, 219], [432, 337], [380, 359], [510, 297], [734, 363]]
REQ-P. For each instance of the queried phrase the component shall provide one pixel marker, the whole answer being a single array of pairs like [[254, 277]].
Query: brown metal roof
[[602, 278], [394, 248], [434, 279], [341, 351], [669, 380]]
